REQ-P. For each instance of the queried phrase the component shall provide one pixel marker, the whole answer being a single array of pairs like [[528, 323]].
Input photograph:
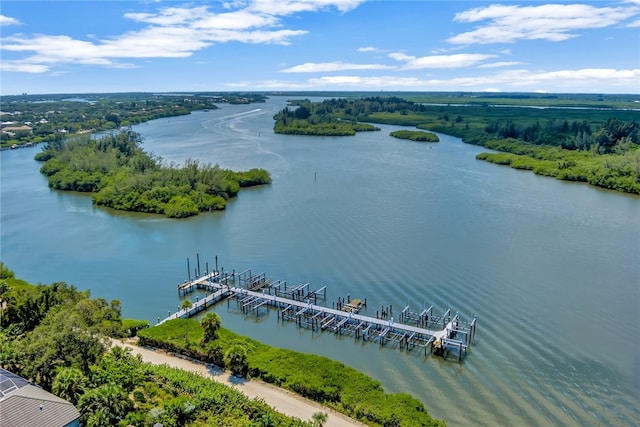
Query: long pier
[[441, 334]]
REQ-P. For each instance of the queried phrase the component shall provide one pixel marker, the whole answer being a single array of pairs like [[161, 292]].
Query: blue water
[[551, 269]]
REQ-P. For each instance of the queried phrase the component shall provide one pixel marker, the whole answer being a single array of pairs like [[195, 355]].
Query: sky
[[319, 45]]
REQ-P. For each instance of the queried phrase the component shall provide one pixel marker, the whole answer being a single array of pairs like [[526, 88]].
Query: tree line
[[54, 116], [598, 146], [65, 351], [612, 136], [310, 118], [121, 175]]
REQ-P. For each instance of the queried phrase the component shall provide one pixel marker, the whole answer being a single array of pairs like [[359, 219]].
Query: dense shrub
[[415, 135], [315, 377]]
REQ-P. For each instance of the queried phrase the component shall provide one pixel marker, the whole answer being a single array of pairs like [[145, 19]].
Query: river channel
[[551, 269]]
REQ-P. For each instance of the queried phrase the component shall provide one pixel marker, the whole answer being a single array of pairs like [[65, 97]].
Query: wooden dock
[[442, 334]]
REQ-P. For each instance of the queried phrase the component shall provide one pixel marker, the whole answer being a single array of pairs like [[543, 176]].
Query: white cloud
[[312, 67], [552, 22], [634, 24], [23, 67], [583, 80], [368, 49], [500, 64], [6, 20], [201, 18], [439, 61], [169, 16], [170, 32], [288, 7]]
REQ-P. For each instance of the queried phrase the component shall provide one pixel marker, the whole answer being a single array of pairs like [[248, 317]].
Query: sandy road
[[282, 400]]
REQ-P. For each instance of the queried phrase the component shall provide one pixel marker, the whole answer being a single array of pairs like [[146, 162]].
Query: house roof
[[17, 128], [23, 404]]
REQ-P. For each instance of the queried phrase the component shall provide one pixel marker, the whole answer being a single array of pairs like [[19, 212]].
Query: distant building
[[17, 129], [23, 404]]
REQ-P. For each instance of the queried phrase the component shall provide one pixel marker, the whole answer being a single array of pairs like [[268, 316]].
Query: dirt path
[[282, 400]]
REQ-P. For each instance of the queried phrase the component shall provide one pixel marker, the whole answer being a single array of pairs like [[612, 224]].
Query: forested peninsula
[[596, 145], [57, 337], [121, 175]]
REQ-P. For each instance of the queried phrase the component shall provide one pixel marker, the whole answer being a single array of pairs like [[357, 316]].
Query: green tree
[[60, 341], [69, 384], [9, 357], [98, 419], [211, 322], [235, 358], [319, 418], [109, 399], [5, 273]]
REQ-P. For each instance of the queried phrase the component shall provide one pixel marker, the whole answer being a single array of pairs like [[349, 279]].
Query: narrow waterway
[[551, 269]]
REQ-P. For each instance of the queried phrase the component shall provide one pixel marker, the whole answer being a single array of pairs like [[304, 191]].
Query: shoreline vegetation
[[328, 382], [587, 138], [33, 119], [596, 145], [55, 336], [415, 135], [313, 118], [121, 175]]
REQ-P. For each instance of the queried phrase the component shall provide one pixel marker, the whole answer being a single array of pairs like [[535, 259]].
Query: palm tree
[[111, 400], [319, 418], [210, 323], [186, 304], [235, 359], [69, 384], [98, 419]]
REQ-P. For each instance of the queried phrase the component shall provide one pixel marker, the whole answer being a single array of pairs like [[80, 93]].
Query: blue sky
[[271, 45]]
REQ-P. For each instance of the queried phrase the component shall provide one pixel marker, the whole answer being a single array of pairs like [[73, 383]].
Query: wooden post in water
[[444, 317], [198, 258], [188, 269], [473, 328], [216, 263]]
